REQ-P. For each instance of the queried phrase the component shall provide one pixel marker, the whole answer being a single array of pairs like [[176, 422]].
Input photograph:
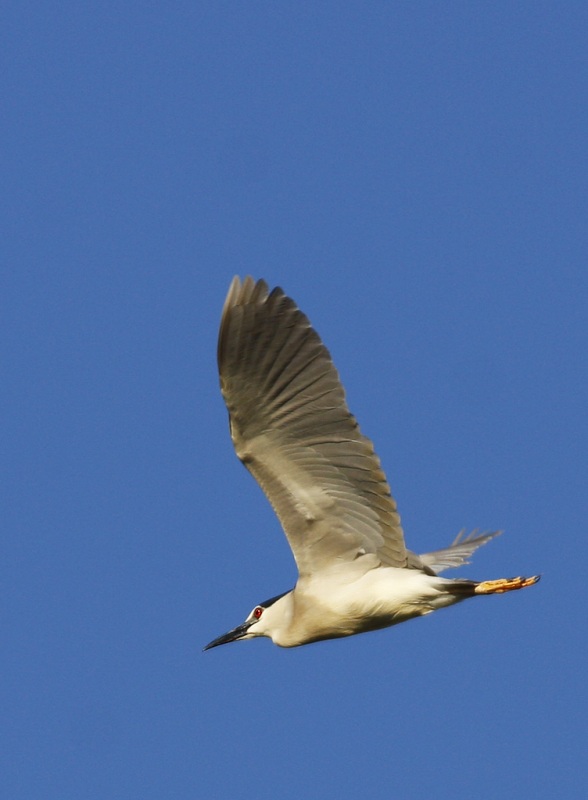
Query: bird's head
[[264, 620]]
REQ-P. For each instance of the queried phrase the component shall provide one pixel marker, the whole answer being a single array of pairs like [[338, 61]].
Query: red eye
[[258, 612]]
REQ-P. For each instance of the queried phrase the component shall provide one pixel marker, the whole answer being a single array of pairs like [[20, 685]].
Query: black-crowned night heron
[[293, 431]]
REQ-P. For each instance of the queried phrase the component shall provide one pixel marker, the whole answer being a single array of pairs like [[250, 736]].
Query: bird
[[292, 429]]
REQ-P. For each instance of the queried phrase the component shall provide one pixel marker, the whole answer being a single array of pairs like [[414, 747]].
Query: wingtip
[[475, 536], [245, 291]]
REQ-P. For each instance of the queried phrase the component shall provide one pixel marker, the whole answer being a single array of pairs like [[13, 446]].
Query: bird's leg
[[505, 585]]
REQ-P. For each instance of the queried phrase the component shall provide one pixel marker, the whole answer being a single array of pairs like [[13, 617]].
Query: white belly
[[330, 607]]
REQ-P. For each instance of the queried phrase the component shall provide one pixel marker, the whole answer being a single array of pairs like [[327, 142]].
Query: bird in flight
[[291, 427]]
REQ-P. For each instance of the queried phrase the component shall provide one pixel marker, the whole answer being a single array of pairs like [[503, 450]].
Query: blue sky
[[415, 176]]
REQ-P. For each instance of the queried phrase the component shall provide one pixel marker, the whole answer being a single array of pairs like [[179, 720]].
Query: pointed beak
[[231, 636]]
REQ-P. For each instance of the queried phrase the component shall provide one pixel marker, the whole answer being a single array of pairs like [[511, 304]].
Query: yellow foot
[[505, 585]]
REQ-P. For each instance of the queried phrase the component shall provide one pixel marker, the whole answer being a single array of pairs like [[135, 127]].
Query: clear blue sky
[[415, 176]]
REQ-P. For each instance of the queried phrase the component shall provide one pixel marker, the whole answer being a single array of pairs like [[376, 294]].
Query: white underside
[[330, 607]]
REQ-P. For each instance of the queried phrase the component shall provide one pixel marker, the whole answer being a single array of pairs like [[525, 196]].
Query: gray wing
[[457, 553], [293, 431]]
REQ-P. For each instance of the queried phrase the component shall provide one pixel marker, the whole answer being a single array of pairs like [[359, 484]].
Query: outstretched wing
[[457, 553], [293, 431]]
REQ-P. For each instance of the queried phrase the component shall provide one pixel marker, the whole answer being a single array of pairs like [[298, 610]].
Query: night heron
[[293, 431]]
